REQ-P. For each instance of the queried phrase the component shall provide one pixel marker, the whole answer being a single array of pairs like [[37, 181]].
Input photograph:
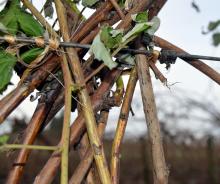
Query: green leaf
[[13, 17], [3, 28], [89, 3], [138, 28], [7, 62], [147, 27], [10, 5], [216, 39], [140, 17], [213, 25], [8, 18], [101, 52], [111, 38], [31, 54], [10, 23], [4, 139], [29, 25], [155, 26]]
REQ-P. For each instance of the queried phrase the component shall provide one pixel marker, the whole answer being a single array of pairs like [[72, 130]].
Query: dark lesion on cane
[[123, 116], [97, 149], [19, 164]]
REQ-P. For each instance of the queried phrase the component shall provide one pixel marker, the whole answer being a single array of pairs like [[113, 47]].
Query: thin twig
[[66, 121], [158, 73], [122, 122], [26, 146], [118, 9]]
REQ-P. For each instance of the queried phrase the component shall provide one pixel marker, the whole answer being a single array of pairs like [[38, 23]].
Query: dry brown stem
[[160, 170]]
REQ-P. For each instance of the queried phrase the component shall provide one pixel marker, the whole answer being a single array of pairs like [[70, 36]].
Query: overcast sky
[[181, 25]]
